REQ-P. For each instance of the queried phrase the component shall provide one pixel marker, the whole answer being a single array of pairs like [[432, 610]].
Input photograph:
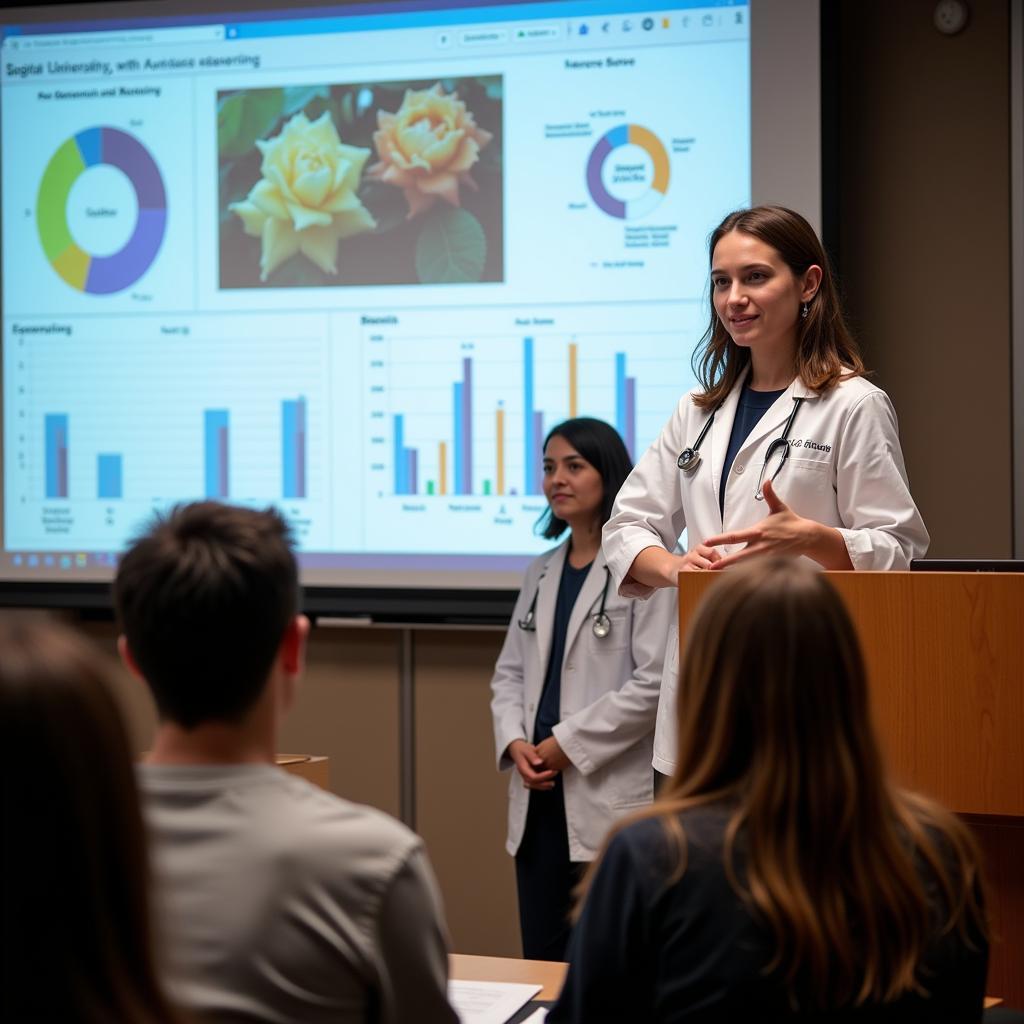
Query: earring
[[803, 312]]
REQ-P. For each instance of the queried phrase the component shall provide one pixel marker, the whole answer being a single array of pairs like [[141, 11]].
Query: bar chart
[[128, 426], [468, 418]]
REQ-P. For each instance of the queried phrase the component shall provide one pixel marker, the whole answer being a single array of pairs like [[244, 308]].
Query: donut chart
[[625, 134], [101, 275]]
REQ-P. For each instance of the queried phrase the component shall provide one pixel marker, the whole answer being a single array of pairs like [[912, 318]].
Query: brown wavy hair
[[826, 350], [774, 723], [74, 875]]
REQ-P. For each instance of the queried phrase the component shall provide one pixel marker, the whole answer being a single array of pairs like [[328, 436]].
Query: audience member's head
[[775, 725], [76, 942], [774, 717], [205, 598]]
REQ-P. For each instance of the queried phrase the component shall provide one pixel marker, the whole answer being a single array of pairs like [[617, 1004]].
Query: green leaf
[[451, 247], [297, 96], [229, 121], [252, 115]]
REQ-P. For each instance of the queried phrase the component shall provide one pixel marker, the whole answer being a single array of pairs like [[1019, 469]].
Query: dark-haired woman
[[76, 943], [575, 688], [780, 875], [784, 448]]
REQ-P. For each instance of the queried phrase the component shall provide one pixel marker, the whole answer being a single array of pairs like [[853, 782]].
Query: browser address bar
[[161, 36]]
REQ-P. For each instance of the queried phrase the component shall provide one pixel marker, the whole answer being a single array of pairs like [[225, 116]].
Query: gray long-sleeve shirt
[[278, 902]]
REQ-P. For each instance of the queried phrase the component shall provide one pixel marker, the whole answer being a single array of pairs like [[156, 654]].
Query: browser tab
[[537, 33], [483, 36]]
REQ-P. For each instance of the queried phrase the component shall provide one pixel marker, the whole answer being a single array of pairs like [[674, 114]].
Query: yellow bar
[[442, 467], [500, 432], [572, 379]]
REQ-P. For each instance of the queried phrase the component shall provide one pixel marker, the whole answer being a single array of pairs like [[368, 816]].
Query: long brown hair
[[826, 350], [73, 872], [774, 723]]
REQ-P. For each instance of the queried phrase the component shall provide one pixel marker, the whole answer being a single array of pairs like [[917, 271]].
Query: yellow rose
[[306, 200], [427, 147]]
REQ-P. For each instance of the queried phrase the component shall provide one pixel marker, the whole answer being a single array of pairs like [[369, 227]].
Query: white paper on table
[[537, 1017], [488, 1002]]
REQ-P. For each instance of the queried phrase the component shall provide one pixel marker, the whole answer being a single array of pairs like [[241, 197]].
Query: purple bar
[[413, 469], [631, 417], [612, 206], [62, 466], [222, 457], [538, 462], [467, 426], [109, 274]]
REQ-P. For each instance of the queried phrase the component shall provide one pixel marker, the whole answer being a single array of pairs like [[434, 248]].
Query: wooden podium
[[945, 655]]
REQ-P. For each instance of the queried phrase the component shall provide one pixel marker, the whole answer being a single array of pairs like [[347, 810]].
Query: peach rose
[[427, 147], [306, 200]]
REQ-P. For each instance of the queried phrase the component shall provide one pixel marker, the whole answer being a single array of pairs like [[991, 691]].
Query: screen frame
[[808, 27]]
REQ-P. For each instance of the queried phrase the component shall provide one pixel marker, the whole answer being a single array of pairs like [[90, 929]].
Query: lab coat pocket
[[616, 638], [632, 777], [804, 465]]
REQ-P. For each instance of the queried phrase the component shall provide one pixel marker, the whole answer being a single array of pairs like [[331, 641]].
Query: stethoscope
[[689, 458], [602, 623]]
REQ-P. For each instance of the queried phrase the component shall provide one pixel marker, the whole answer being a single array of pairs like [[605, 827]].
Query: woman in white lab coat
[[575, 688], [783, 448]]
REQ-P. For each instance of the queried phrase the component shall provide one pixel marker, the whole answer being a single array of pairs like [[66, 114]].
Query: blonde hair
[[774, 722]]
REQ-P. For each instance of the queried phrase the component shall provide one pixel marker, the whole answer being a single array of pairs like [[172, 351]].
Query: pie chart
[[616, 193], [101, 191]]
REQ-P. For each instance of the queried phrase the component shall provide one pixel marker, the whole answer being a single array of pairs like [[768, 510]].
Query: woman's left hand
[[552, 754], [783, 532]]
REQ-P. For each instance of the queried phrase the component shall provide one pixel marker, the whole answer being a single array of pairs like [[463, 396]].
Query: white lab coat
[[609, 699], [845, 470]]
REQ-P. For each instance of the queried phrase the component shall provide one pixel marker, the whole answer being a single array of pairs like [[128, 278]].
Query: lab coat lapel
[[721, 431], [590, 595], [771, 423], [547, 595]]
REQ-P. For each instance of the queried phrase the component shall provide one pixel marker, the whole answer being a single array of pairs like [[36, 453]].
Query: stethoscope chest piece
[[689, 459], [602, 625]]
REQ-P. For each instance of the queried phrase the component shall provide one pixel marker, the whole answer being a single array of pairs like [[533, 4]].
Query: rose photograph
[[366, 184]]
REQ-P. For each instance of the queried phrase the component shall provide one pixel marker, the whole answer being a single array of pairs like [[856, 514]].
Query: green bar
[[430, 487], [60, 174], [487, 487]]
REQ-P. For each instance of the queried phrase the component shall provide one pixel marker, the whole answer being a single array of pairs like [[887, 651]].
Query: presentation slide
[[354, 266]]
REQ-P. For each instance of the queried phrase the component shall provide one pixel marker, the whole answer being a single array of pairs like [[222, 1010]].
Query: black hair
[[203, 598], [601, 445]]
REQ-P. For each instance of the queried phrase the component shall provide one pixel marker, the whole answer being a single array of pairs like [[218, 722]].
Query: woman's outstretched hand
[[783, 532]]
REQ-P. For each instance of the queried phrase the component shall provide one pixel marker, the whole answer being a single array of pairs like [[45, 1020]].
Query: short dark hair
[[204, 597], [74, 878], [600, 444]]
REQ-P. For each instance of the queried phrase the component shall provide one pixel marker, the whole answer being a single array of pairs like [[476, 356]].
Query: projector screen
[[355, 262]]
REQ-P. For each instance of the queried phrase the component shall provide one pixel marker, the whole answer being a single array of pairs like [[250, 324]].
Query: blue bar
[[530, 442], [398, 454], [620, 393], [293, 447], [216, 426], [289, 436], [457, 410], [56, 431], [108, 476]]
